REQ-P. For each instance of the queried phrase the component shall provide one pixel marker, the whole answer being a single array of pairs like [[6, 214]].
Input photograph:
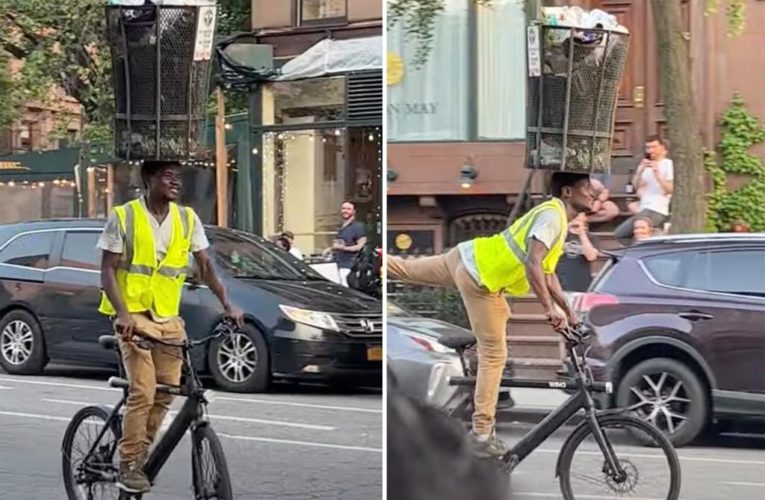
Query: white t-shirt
[[547, 228], [653, 196], [295, 251]]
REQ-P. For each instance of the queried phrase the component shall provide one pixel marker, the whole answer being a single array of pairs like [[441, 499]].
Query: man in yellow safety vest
[[146, 247], [519, 259]]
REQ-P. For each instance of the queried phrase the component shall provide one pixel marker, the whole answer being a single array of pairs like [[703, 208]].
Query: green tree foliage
[[62, 43], [741, 132]]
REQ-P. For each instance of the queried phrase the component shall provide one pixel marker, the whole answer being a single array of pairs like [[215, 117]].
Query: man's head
[[289, 235], [656, 148], [641, 228], [348, 210], [283, 243], [574, 189], [162, 179]]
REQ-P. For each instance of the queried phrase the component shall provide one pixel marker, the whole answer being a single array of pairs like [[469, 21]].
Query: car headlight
[[429, 345], [318, 319]]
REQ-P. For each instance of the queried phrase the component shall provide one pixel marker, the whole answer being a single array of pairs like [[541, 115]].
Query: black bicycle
[[597, 460], [91, 466]]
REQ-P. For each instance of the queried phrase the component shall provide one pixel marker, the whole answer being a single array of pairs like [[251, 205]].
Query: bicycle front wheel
[[209, 468], [647, 473]]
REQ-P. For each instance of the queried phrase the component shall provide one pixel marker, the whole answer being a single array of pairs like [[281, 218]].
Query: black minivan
[[298, 324]]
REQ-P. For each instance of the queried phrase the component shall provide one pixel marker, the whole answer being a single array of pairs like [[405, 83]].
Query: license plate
[[374, 353]]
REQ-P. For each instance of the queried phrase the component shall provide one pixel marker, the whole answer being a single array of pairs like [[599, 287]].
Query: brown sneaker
[[132, 478]]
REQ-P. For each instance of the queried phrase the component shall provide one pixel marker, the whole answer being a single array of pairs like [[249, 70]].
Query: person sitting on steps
[[654, 182], [520, 259]]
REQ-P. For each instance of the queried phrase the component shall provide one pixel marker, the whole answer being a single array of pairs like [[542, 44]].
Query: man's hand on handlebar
[[125, 326], [235, 314], [557, 320]]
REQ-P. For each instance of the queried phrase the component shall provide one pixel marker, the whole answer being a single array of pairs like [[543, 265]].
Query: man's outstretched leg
[[488, 314], [434, 271]]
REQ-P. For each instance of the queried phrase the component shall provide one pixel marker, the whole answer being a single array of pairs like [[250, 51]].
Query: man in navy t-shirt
[[350, 240]]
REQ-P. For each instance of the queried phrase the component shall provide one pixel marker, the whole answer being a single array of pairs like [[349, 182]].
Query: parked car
[[679, 327], [422, 366], [299, 325], [419, 364]]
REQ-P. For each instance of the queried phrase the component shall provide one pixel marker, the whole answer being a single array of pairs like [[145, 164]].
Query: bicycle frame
[[191, 414], [581, 399]]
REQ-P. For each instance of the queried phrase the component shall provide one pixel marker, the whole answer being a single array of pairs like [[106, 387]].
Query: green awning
[[46, 165]]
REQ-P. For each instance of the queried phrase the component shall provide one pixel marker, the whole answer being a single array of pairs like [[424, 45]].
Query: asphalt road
[[724, 467], [296, 443]]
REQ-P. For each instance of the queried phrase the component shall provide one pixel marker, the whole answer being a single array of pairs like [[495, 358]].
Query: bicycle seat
[[457, 340], [108, 342]]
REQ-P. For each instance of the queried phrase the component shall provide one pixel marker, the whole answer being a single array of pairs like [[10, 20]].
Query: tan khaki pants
[[145, 409], [488, 314]]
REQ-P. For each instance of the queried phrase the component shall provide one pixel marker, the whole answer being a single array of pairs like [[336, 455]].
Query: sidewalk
[[533, 405]]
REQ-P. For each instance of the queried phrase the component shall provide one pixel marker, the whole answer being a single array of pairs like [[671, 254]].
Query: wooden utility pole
[[109, 188], [221, 160]]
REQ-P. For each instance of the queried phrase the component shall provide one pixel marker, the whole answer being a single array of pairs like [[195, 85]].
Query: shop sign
[[12, 165]]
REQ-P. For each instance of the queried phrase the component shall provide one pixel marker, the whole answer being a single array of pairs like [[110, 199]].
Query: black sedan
[[298, 324]]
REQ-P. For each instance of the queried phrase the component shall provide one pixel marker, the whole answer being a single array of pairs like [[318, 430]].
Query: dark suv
[[298, 324], [680, 330]]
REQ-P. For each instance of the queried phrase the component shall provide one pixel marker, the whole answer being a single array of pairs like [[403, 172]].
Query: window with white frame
[[430, 102], [472, 86], [320, 11]]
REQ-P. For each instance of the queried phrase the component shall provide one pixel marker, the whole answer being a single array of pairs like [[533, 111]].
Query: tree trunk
[[688, 199]]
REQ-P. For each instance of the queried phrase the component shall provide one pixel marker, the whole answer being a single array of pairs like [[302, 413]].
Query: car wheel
[[667, 394], [22, 347], [240, 362]]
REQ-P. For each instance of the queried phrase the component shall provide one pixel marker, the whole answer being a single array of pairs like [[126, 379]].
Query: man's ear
[[565, 192]]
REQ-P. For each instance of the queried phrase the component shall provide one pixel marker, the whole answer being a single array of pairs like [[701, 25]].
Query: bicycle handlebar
[[225, 327], [576, 334]]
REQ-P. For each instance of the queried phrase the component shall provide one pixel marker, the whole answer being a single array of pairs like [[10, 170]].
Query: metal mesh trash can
[[161, 53], [573, 82]]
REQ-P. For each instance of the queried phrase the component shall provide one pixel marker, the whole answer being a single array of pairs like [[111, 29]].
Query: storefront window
[[430, 103], [30, 200], [307, 174], [315, 11], [304, 101], [501, 70]]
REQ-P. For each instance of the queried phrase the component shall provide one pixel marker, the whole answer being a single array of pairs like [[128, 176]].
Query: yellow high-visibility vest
[[145, 283], [499, 260]]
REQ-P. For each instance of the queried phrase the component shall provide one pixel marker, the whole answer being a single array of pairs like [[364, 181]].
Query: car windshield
[[243, 257]]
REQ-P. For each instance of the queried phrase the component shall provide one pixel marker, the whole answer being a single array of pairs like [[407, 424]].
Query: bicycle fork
[[612, 466]]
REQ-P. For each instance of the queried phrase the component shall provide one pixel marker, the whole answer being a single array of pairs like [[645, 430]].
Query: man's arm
[[109, 263], [588, 249], [559, 296], [535, 275], [208, 276], [358, 246], [666, 184]]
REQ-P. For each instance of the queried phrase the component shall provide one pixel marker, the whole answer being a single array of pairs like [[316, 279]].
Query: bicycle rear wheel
[[208, 465], [90, 477], [584, 473]]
